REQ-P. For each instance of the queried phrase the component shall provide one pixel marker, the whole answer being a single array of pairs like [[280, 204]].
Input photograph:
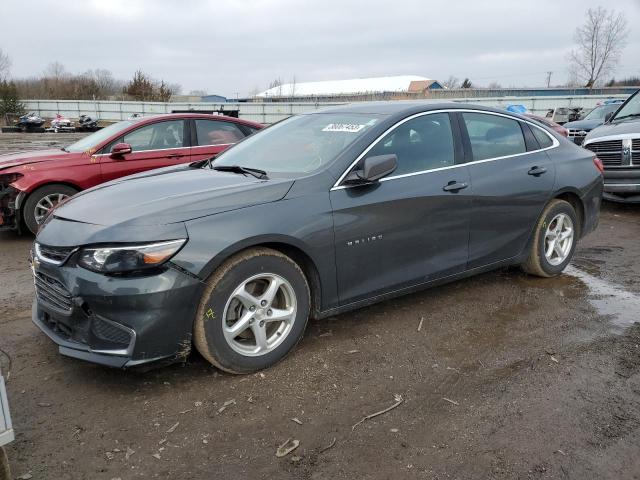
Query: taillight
[[598, 163], [565, 132]]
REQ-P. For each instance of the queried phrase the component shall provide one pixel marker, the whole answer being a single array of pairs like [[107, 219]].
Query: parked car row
[[319, 214]]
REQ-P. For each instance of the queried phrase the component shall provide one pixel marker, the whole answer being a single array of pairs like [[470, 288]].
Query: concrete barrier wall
[[271, 112]]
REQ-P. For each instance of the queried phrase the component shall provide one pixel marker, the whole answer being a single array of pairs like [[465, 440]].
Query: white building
[[355, 86]]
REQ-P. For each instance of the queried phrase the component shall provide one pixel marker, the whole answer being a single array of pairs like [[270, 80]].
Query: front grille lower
[[55, 255], [52, 293], [109, 332]]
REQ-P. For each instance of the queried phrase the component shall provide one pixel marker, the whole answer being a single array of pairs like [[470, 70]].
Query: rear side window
[[493, 136], [211, 132], [543, 139], [423, 143], [157, 136]]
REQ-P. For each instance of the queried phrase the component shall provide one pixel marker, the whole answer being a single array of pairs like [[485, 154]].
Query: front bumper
[[116, 321], [622, 185]]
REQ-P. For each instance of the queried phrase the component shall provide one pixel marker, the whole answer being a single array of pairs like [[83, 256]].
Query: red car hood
[[8, 160]]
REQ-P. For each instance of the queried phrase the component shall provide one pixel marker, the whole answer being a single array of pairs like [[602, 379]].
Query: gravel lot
[[509, 376]]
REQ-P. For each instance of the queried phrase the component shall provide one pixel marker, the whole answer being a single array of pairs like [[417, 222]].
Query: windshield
[[600, 112], [631, 108], [90, 141], [300, 144]]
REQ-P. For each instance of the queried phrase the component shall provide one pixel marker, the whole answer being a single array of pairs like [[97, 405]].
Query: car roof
[[206, 116], [408, 107]]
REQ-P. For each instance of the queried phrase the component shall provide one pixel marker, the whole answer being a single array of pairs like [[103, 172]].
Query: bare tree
[[451, 82], [292, 91], [600, 41], [55, 71], [494, 85], [5, 65], [466, 83]]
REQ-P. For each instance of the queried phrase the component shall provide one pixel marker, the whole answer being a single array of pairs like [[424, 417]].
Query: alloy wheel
[[45, 204], [558, 239], [259, 314]]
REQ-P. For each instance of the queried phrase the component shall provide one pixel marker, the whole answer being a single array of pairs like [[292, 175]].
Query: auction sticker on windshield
[[343, 127]]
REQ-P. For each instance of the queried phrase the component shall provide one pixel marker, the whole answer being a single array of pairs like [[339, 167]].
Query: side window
[[424, 143], [211, 132], [493, 136], [543, 139], [156, 136]]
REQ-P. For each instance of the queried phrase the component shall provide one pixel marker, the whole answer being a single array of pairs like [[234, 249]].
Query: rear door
[[154, 145], [210, 137], [512, 178]]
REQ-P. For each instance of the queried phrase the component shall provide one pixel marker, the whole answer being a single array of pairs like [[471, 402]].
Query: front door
[[155, 145], [512, 179], [410, 227]]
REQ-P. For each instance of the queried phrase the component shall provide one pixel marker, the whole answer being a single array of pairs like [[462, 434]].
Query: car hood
[[169, 196], [583, 124], [624, 129], [8, 160]]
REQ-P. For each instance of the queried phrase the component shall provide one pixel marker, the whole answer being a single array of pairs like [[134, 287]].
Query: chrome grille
[[609, 151], [609, 146], [635, 144], [577, 135], [52, 293], [55, 255]]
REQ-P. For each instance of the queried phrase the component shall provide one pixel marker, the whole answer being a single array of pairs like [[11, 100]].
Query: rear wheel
[[41, 201], [554, 241], [253, 311]]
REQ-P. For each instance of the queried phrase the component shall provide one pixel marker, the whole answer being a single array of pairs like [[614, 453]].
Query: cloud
[[229, 46]]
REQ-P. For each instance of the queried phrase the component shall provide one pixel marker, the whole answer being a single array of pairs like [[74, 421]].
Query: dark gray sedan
[[316, 215]]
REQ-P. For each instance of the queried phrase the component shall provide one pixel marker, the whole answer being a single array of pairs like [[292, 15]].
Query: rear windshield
[[300, 144]]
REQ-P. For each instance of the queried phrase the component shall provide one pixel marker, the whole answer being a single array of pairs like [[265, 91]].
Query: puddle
[[620, 306]]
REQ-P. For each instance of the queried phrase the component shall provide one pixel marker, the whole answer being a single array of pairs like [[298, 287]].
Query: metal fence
[[271, 112]]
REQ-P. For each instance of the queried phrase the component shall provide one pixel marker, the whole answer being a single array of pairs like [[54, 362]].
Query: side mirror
[[608, 116], [373, 169], [120, 149]]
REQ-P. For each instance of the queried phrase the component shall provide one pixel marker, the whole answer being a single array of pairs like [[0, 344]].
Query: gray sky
[[234, 46]]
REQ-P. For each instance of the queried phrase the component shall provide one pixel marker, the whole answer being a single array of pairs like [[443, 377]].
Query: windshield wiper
[[64, 149], [261, 174], [631, 115]]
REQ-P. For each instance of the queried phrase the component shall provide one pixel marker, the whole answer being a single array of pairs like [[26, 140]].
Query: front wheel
[[253, 311], [554, 240], [40, 202]]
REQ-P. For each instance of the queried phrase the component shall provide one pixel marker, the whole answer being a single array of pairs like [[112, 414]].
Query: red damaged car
[[31, 183]]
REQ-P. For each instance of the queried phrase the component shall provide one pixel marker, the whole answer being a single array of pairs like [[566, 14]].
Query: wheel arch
[[47, 183], [291, 247], [569, 195], [572, 197]]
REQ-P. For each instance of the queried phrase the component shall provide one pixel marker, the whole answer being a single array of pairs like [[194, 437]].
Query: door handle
[[454, 186], [175, 155], [536, 171]]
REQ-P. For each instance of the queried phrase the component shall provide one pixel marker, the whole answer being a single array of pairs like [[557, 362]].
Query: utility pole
[[549, 78]]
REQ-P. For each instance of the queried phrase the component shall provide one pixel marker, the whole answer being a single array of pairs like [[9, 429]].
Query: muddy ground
[[510, 376]]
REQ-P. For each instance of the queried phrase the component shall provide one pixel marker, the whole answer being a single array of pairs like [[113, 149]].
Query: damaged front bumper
[[11, 200], [115, 321]]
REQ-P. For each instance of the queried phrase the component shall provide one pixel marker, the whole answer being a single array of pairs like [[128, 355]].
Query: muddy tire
[[253, 311], [554, 241], [34, 211]]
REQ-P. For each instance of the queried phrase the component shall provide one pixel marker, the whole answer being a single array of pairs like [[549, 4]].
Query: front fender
[[305, 223]]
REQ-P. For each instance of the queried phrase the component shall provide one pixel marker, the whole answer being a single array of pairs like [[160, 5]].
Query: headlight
[[128, 258]]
